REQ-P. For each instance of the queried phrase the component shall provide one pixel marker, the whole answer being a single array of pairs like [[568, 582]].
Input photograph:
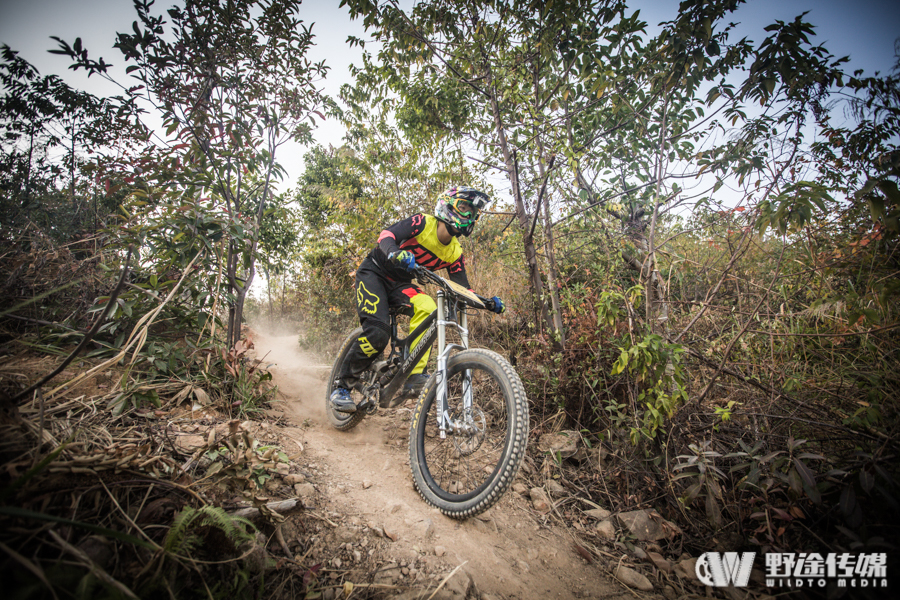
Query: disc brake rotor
[[470, 433]]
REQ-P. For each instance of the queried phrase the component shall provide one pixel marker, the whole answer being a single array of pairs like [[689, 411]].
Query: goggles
[[464, 208]]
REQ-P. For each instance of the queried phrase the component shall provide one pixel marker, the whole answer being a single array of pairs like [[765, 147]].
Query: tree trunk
[[28, 167], [512, 170], [556, 315], [244, 286], [554, 319], [72, 171], [230, 276], [269, 294], [657, 300], [656, 310]]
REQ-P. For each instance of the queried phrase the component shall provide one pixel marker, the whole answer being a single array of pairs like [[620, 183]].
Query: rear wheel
[[343, 421], [465, 473]]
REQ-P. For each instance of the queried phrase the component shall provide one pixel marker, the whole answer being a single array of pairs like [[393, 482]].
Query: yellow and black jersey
[[418, 234]]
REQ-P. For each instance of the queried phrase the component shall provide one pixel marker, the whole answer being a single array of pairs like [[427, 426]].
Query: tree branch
[[537, 211], [87, 338]]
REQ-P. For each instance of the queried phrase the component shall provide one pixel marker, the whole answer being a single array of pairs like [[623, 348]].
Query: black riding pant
[[375, 294]]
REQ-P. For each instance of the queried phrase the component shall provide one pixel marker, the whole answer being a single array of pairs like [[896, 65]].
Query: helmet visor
[[465, 209]]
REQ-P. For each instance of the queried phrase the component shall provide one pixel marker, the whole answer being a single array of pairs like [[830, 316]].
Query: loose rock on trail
[[379, 531]]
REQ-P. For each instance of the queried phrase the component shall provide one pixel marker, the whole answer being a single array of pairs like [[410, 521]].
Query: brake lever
[[421, 274]]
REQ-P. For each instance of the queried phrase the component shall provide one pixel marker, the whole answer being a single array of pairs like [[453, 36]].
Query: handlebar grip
[[421, 273]]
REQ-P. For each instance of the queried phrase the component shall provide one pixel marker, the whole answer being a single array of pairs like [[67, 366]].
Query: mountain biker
[[384, 279]]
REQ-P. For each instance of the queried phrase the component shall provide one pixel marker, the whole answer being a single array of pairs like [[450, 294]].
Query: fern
[[183, 540]]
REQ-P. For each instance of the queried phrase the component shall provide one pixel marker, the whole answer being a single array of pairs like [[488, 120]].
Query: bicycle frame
[[494, 434], [434, 326]]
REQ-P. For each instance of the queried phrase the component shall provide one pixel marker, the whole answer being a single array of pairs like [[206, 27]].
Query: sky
[[865, 30]]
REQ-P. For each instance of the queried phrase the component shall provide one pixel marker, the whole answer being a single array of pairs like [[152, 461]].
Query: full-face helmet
[[459, 207]]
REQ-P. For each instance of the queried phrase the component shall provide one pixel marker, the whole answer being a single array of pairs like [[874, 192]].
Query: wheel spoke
[[464, 460], [468, 470]]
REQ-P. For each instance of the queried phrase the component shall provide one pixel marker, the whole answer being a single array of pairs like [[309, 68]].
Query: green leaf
[[889, 188], [795, 481], [876, 206], [866, 480], [805, 473]]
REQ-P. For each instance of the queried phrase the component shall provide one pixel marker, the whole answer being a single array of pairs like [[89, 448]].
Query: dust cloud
[[300, 376]]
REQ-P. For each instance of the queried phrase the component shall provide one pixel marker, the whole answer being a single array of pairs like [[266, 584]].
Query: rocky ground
[[370, 528]]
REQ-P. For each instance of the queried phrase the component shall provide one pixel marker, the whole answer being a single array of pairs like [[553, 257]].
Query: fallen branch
[[87, 338], [138, 336], [96, 570], [279, 506], [446, 579], [279, 535]]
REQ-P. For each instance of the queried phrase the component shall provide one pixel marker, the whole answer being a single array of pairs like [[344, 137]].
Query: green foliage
[[232, 84], [655, 365], [657, 368], [707, 480], [330, 182], [53, 141], [771, 475], [434, 109], [186, 535], [793, 208], [725, 412]]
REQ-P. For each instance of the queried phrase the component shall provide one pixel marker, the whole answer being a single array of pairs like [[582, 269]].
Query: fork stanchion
[[442, 364]]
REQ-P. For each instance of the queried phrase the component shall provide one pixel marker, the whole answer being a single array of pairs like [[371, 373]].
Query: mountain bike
[[470, 425]]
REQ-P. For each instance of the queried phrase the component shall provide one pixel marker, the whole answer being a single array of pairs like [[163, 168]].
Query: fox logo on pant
[[368, 302], [366, 346]]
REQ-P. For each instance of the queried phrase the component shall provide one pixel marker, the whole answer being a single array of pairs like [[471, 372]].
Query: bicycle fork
[[445, 423]]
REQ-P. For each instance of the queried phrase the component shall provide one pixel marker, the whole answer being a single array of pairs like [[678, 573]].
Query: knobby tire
[[464, 475]]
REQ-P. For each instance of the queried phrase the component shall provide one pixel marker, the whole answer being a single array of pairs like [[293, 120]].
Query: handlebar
[[423, 275]]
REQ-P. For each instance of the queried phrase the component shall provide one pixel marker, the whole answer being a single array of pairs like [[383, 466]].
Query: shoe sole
[[347, 410]]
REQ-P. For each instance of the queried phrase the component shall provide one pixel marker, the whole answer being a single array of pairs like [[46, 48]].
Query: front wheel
[[343, 421], [468, 470]]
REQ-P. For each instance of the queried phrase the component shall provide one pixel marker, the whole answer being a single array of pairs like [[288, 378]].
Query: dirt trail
[[366, 482]]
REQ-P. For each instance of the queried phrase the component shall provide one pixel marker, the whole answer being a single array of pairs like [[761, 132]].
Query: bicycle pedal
[[368, 406]]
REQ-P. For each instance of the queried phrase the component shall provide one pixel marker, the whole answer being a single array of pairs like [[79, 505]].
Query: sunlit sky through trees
[[865, 30]]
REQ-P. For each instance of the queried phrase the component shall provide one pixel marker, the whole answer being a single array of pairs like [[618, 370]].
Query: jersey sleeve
[[457, 273], [391, 238]]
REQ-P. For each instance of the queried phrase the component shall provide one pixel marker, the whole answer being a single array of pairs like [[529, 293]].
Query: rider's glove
[[404, 258], [498, 307]]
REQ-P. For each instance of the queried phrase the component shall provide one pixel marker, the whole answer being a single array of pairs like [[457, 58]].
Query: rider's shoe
[[341, 400], [414, 384]]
